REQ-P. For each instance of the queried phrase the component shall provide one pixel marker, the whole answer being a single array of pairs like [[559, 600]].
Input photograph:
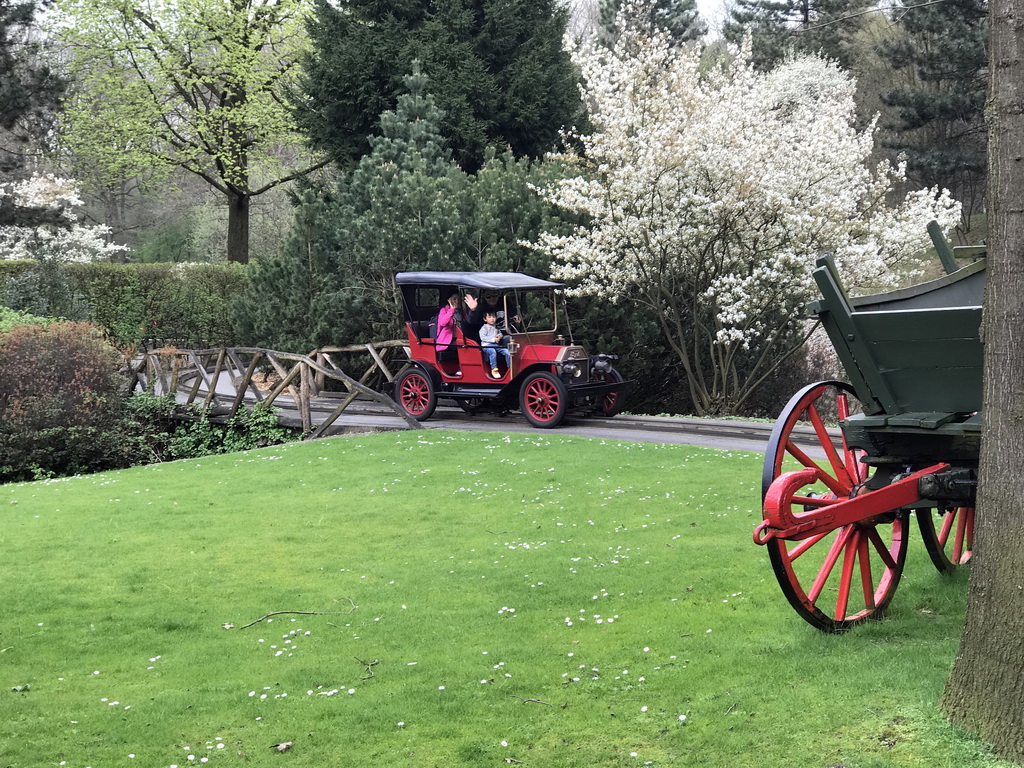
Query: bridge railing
[[227, 375]]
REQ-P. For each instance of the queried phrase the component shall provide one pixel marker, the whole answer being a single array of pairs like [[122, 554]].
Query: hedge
[[147, 304]]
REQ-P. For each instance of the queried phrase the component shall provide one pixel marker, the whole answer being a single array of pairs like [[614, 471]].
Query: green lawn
[[469, 599]]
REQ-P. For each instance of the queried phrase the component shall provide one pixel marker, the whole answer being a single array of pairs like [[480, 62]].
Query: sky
[[711, 10]]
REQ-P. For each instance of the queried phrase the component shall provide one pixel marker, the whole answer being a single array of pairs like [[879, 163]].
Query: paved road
[[712, 433]]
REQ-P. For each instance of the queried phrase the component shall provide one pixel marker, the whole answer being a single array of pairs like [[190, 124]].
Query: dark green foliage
[[172, 241], [402, 208], [938, 119], [679, 19], [157, 429], [506, 210], [29, 89], [631, 331], [61, 399], [779, 27], [45, 289], [498, 70]]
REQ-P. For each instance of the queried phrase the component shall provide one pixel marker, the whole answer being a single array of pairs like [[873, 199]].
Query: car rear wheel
[[610, 403]]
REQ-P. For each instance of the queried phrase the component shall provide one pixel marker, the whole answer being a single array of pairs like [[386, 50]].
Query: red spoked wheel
[[948, 536], [846, 575], [415, 394], [543, 399], [608, 404]]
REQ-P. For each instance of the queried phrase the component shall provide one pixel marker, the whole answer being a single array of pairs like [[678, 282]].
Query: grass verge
[[465, 599]]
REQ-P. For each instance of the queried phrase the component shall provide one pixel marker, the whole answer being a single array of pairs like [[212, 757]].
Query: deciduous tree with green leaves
[[196, 85], [498, 72]]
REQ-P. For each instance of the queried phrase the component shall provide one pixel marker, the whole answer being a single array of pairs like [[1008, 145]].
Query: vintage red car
[[547, 376]]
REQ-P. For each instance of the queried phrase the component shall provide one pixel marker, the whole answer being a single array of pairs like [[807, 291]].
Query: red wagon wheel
[[950, 543], [848, 575]]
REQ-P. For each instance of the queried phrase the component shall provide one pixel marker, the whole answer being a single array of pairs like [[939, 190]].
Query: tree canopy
[[938, 119], [780, 27], [497, 67], [679, 19], [30, 90], [196, 85]]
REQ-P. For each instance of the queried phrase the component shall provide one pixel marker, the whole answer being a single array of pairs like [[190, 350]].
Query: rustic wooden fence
[[265, 374]]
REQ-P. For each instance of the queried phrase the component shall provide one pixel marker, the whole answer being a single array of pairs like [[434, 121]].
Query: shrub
[[153, 430], [61, 399]]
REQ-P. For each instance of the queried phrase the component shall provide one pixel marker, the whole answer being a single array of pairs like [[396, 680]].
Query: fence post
[[305, 383]]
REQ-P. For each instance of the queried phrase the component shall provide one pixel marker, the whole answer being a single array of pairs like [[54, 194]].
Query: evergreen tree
[[778, 27], [29, 89], [402, 208], [679, 19], [497, 67], [938, 119]]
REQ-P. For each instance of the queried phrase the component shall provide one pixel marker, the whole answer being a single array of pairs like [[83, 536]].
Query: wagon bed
[[914, 359]]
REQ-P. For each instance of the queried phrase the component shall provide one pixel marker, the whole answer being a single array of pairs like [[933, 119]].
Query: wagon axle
[[823, 514]]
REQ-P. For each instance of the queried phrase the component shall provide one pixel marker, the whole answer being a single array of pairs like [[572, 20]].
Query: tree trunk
[[238, 227], [985, 691]]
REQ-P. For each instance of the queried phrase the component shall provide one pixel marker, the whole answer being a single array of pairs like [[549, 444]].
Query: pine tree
[[679, 19], [938, 120], [497, 68], [29, 89], [778, 27]]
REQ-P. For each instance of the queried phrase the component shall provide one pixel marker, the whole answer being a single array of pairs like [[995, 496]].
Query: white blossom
[[68, 240], [709, 194]]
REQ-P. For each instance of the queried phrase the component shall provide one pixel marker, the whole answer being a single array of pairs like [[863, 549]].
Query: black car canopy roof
[[504, 281]]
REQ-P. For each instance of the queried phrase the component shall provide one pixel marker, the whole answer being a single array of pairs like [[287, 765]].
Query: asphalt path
[[722, 434]]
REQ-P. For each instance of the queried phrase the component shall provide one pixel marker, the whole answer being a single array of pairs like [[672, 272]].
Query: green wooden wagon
[[836, 513]]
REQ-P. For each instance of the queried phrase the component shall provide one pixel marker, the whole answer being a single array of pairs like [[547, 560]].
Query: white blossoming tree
[[709, 194], [54, 232]]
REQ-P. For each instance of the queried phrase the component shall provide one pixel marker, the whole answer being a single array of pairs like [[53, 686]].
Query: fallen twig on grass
[[529, 701], [302, 613], [369, 666]]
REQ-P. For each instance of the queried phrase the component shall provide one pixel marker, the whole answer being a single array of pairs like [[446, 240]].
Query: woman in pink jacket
[[447, 319]]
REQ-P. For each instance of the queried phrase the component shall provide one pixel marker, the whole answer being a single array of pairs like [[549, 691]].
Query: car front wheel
[[543, 399], [415, 394]]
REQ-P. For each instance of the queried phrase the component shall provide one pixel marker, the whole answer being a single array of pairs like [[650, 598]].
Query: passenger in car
[[491, 343], [490, 301], [448, 318]]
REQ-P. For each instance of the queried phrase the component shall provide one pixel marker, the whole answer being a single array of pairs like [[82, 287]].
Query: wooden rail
[[197, 373]]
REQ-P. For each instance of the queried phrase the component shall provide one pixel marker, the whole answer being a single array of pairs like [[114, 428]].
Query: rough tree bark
[[985, 691]]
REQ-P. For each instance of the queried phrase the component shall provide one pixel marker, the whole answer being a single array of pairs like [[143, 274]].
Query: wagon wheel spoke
[[850, 552], [805, 545], [840, 470], [830, 562]]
